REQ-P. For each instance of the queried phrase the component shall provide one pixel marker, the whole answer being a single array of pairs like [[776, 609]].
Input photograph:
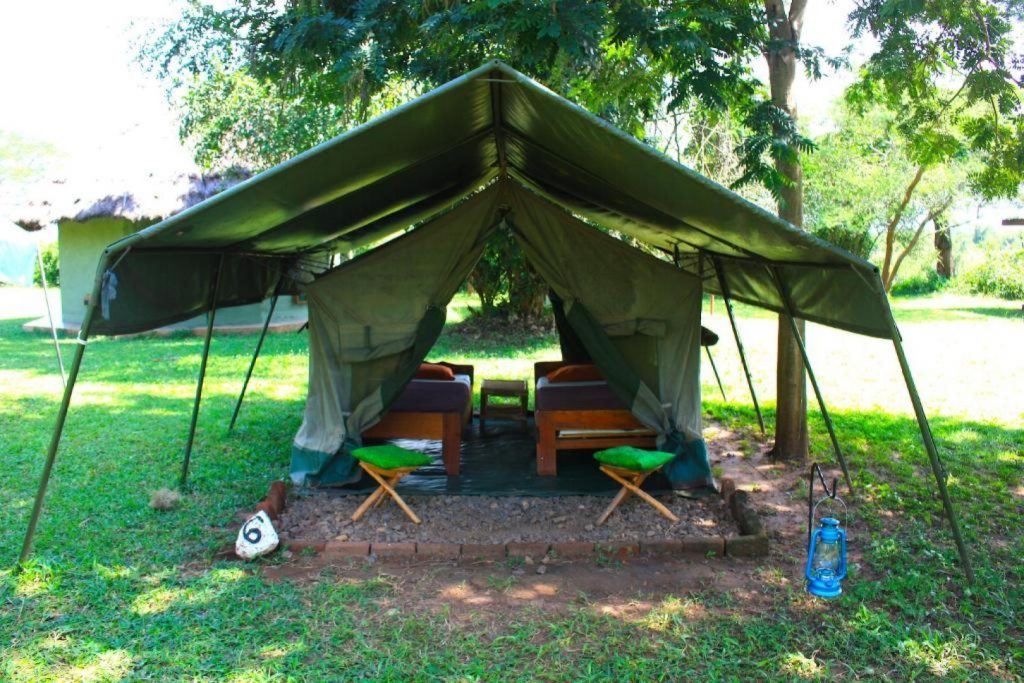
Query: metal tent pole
[[202, 372], [49, 314], [929, 446], [58, 428], [715, 370], [791, 316], [252, 363], [739, 342]]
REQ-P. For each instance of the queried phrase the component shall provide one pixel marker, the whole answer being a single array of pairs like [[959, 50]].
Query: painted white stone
[[256, 537]]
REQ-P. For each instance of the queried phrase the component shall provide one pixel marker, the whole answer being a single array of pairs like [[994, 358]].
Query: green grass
[[118, 591]]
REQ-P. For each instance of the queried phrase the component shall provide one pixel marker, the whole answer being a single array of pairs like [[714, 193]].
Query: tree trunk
[[890, 228], [791, 385], [944, 247]]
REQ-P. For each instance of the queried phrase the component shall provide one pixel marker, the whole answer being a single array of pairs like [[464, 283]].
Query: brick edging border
[[750, 542]]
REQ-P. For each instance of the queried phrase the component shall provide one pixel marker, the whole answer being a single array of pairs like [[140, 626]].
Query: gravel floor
[[483, 519]]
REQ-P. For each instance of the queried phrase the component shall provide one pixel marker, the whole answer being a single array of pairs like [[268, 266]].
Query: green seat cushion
[[390, 457], [631, 458]]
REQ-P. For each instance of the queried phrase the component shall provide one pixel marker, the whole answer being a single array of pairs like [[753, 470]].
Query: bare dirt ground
[[508, 519]]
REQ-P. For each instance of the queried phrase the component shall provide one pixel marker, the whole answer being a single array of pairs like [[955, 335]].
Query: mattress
[[435, 396], [576, 396]]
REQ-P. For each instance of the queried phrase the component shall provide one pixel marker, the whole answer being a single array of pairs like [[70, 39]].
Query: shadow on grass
[[993, 312]]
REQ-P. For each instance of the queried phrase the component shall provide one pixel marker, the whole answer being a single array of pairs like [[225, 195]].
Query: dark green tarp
[[424, 157]]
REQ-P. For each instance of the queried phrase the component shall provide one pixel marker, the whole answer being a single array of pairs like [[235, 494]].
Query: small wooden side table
[[515, 388]]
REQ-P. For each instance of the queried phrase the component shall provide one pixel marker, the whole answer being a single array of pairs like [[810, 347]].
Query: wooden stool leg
[[619, 497], [657, 505], [632, 485], [377, 495], [388, 487], [622, 494]]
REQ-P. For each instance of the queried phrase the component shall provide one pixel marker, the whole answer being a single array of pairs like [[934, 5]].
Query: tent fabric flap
[[372, 321], [157, 288], [637, 316]]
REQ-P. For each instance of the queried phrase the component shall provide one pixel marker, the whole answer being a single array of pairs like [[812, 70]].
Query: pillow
[[633, 458], [576, 373], [389, 457], [434, 371]]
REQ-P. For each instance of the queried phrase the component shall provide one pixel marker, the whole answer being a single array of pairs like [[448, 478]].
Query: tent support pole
[[739, 342], [58, 428], [202, 373], [715, 370], [791, 316], [929, 446], [252, 363], [49, 315]]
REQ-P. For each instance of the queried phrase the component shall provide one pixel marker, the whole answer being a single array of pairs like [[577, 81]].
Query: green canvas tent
[[489, 150]]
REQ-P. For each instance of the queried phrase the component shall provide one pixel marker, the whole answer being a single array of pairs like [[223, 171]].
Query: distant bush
[[1000, 274], [51, 263], [918, 284], [857, 242]]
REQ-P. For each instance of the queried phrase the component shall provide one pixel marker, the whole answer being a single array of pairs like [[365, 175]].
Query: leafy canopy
[[926, 46], [259, 79], [859, 175]]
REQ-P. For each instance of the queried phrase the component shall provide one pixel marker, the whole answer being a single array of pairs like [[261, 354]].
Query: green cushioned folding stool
[[387, 464], [630, 467]]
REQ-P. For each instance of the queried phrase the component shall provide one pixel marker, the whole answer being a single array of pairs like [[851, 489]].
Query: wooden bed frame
[[552, 425], [445, 427]]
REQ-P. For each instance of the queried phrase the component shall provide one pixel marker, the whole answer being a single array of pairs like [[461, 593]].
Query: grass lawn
[[118, 591]]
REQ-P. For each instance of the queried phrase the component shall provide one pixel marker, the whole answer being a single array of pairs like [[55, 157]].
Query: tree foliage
[[326, 65], [865, 187], [506, 282], [925, 46]]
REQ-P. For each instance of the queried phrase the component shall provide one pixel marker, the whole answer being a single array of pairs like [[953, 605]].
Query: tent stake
[[58, 428], [202, 373], [929, 446], [252, 363], [739, 342], [810, 374], [715, 370], [49, 314]]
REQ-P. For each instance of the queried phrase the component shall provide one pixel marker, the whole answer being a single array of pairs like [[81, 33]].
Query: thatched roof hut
[[142, 199]]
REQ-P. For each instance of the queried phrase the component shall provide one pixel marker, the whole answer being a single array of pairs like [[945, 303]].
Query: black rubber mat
[[504, 463]]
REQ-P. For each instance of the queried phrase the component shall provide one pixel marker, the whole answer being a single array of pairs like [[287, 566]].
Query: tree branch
[[796, 17], [890, 229], [932, 215]]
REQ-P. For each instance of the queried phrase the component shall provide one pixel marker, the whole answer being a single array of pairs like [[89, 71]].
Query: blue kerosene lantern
[[826, 559]]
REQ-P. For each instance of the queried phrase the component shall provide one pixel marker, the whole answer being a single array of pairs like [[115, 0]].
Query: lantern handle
[[830, 494], [846, 511]]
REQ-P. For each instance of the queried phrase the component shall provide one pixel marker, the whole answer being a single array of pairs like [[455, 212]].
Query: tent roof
[[422, 158]]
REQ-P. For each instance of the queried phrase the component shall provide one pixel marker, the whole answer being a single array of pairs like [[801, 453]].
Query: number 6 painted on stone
[[256, 537]]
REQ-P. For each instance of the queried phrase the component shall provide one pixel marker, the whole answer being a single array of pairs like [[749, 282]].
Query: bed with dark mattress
[[580, 415], [436, 409]]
